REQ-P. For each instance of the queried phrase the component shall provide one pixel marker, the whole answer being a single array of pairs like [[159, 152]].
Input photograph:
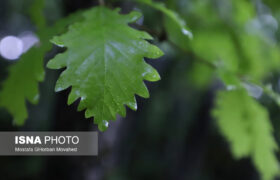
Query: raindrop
[[230, 87], [132, 105], [105, 123], [187, 33], [253, 90], [57, 89]]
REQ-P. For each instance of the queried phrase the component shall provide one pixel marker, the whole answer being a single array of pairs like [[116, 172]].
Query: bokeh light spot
[[11, 47]]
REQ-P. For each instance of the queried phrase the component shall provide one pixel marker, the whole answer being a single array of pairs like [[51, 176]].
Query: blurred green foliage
[[246, 125], [233, 46]]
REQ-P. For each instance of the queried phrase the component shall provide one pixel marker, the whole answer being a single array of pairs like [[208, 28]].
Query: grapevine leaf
[[247, 127], [15, 90], [104, 64]]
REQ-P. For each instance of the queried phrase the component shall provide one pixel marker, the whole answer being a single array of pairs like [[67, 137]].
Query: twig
[[101, 2]]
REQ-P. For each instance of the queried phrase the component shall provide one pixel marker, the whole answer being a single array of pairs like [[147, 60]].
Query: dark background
[[171, 136]]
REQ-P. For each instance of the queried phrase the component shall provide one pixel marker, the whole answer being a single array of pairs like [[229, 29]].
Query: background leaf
[[246, 125], [173, 21], [15, 91]]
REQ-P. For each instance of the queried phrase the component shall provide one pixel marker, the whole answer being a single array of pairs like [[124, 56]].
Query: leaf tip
[[134, 16], [56, 40], [187, 33], [103, 125], [132, 105]]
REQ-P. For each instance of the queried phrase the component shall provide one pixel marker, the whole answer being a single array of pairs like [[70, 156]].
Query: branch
[[101, 2]]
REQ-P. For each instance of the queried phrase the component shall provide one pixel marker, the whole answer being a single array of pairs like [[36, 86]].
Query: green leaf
[[198, 79], [216, 46], [243, 11], [16, 90], [104, 64], [246, 125], [36, 13], [172, 16]]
